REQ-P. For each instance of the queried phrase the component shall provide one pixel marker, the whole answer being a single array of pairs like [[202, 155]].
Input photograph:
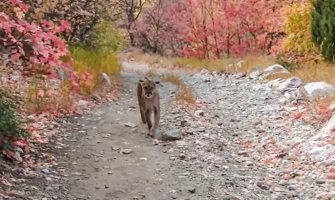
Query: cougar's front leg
[[148, 120], [157, 118], [143, 118]]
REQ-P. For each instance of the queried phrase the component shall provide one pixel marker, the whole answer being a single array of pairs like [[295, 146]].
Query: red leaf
[[297, 115], [20, 143], [15, 57]]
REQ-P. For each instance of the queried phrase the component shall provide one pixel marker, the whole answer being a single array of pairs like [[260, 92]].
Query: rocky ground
[[242, 141]]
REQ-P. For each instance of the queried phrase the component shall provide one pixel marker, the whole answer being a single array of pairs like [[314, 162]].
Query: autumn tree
[[213, 29], [298, 28], [83, 15], [131, 11], [25, 42]]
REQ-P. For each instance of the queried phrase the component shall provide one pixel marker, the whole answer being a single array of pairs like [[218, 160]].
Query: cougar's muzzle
[[148, 95]]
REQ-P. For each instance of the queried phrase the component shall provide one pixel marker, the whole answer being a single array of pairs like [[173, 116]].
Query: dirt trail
[[112, 158], [240, 124]]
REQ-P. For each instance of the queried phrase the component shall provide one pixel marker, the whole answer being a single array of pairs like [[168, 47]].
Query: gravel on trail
[[240, 142]]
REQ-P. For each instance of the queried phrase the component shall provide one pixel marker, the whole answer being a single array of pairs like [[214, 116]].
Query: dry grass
[[184, 96], [43, 98], [232, 65], [172, 78], [151, 73], [316, 72], [308, 72], [225, 64]]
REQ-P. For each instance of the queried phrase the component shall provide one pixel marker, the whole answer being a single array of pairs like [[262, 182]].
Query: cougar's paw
[[151, 134]]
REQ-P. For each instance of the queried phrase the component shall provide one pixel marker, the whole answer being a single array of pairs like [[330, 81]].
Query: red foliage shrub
[[31, 43]]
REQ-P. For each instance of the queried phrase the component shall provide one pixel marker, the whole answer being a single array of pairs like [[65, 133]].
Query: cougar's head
[[148, 87]]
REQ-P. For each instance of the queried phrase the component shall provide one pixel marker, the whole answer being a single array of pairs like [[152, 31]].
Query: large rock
[[106, 79], [16, 76], [290, 84], [319, 89], [330, 126], [171, 135], [276, 82], [107, 84], [274, 69], [62, 74], [239, 65], [255, 73]]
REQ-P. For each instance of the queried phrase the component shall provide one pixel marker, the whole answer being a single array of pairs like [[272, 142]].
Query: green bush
[[97, 55], [10, 122], [285, 63], [323, 27], [90, 64], [94, 61], [106, 38]]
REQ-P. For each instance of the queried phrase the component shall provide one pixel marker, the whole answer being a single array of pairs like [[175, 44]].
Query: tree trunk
[[131, 35]]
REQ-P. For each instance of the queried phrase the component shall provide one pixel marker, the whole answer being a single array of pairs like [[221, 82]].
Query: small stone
[[283, 182], [76, 174], [184, 123], [292, 187], [182, 156], [115, 148], [18, 157], [126, 151], [249, 163], [83, 103], [96, 98], [46, 171], [199, 113], [142, 195], [191, 190], [243, 153], [263, 185], [320, 181], [130, 125], [190, 132], [282, 154], [171, 135]]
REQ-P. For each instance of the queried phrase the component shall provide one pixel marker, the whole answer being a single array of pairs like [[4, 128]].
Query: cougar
[[148, 100]]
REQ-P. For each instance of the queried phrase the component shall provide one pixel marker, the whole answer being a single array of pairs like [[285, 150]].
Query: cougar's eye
[[145, 87]]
